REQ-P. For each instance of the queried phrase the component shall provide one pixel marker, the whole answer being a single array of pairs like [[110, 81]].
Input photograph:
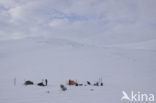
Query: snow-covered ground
[[128, 67]]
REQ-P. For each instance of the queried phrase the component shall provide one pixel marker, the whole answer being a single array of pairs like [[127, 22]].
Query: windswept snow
[[123, 67]]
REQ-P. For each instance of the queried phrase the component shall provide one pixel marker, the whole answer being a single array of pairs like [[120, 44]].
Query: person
[[96, 84], [101, 84], [46, 82], [88, 83], [76, 84]]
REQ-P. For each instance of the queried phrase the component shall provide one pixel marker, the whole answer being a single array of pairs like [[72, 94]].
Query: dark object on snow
[[48, 91], [28, 82], [46, 82], [101, 84], [91, 89], [63, 87], [40, 84], [76, 84], [96, 84], [88, 83], [80, 84]]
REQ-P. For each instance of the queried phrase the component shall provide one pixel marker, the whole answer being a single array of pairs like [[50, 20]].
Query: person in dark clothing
[[96, 84], [76, 84], [88, 83], [101, 84], [46, 82]]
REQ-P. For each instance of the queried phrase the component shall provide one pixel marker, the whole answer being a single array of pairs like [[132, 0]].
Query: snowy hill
[[123, 67]]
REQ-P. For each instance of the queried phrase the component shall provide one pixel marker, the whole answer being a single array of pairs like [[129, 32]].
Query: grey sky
[[97, 20]]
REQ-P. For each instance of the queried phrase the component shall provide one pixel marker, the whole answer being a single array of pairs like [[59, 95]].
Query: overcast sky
[[125, 20]]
